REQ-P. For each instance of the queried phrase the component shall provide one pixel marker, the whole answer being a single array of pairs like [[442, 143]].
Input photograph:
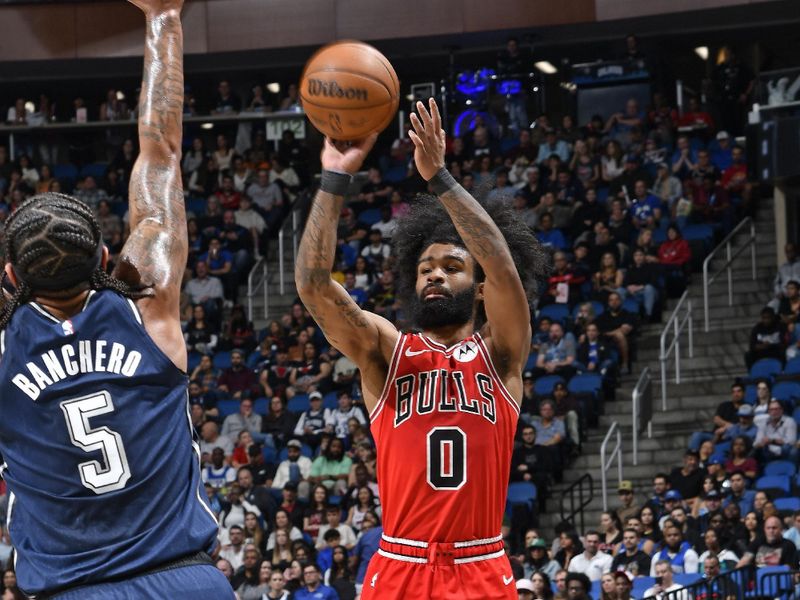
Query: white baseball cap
[[524, 585]]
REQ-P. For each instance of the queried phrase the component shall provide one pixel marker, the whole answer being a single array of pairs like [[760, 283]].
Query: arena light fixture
[[274, 87], [702, 52], [545, 67], [120, 95], [207, 126]]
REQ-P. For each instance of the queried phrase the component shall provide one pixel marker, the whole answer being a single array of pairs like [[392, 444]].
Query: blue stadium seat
[[531, 361], [787, 392], [227, 407], [787, 505], [766, 368], [769, 584], [792, 367], [631, 305], [370, 216], [796, 415], [330, 400], [701, 232], [270, 455], [253, 360], [586, 383], [750, 394], [261, 406], [597, 590], [68, 172], [222, 360], [544, 385], [780, 467], [298, 404], [723, 448], [395, 174], [641, 585], [687, 578], [659, 236], [776, 484], [521, 492], [196, 205], [96, 170], [194, 360], [557, 312]]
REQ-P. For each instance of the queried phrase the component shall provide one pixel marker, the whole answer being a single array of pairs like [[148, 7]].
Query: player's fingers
[[416, 124], [416, 139], [426, 118], [437, 120], [365, 143]]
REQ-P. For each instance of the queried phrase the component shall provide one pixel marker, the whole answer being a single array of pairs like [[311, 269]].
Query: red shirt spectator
[[675, 250]]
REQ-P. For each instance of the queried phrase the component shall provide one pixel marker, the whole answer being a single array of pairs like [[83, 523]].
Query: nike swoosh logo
[[508, 580], [410, 352]]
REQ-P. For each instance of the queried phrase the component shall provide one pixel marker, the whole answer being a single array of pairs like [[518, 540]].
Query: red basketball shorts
[[475, 570]]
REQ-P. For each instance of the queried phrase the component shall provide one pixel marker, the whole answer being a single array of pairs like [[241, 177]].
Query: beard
[[455, 309]]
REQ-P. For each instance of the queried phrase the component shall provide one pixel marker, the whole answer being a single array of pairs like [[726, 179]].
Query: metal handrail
[[615, 453], [569, 494], [253, 286], [295, 234], [677, 324], [642, 385], [726, 243]]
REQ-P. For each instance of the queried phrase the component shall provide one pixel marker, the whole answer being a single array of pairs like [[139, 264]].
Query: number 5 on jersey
[[94, 475]]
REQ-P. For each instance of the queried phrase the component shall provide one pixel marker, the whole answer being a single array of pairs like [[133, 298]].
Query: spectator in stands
[[238, 380], [628, 507], [577, 586], [88, 192], [772, 549], [557, 355], [218, 474], [777, 437], [343, 413], [227, 102], [566, 408], [537, 560], [684, 158], [266, 195], [688, 479], [593, 354], [666, 186], [767, 338], [201, 336], [610, 532], [630, 556], [551, 434], [279, 422], [314, 422], [552, 145], [532, 462], [376, 251], [548, 236], [210, 439], [618, 324], [591, 562], [725, 418], [312, 372], [675, 256], [205, 290], [609, 279], [333, 518], [663, 571], [793, 533], [788, 271], [739, 494], [332, 467], [313, 588], [640, 283], [602, 244], [245, 419], [677, 553], [718, 556]]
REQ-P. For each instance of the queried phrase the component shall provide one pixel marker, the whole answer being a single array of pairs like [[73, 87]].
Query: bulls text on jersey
[[426, 392]]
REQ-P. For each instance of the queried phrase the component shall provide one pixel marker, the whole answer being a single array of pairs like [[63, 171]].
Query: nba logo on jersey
[[466, 351], [66, 326]]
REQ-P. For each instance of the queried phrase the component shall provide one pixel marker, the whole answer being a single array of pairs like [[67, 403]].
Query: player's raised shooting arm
[[156, 251], [360, 335], [505, 301]]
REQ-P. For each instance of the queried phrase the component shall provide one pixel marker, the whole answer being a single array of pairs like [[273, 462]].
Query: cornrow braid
[[54, 244]]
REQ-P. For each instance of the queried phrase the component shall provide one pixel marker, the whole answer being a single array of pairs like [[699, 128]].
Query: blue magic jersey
[[100, 461]]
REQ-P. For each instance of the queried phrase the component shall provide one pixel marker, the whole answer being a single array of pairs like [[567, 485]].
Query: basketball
[[349, 90]]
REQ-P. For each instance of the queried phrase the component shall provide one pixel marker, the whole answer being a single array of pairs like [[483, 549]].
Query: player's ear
[[12, 276], [479, 292], [104, 258]]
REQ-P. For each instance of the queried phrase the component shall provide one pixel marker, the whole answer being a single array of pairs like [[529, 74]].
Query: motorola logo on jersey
[[442, 391], [466, 351]]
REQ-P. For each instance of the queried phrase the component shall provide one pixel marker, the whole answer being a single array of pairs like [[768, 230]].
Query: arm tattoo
[[318, 246], [480, 234], [157, 248]]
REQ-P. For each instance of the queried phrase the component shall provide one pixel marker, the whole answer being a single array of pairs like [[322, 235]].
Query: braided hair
[[429, 223], [54, 244]]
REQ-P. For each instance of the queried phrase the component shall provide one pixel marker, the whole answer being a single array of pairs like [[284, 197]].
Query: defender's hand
[[154, 7], [429, 139], [339, 156]]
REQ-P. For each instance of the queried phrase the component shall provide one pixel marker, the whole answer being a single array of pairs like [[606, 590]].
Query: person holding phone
[[665, 583]]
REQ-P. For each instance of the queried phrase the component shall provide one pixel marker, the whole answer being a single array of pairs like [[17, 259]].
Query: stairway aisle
[[705, 379]]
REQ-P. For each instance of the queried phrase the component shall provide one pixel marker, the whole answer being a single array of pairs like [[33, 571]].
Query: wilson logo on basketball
[[331, 89]]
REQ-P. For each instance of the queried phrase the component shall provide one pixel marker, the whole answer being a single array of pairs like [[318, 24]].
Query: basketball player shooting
[[443, 402], [100, 462]]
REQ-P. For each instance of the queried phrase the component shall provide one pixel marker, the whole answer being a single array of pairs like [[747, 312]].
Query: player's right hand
[[155, 7], [346, 157]]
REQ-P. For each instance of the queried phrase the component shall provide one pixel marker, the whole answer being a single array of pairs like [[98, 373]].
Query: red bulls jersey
[[444, 428]]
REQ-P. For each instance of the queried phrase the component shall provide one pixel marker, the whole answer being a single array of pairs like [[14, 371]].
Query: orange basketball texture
[[349, 90]]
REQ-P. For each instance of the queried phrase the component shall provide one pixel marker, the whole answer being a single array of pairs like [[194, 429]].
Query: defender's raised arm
[[155, 254]]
